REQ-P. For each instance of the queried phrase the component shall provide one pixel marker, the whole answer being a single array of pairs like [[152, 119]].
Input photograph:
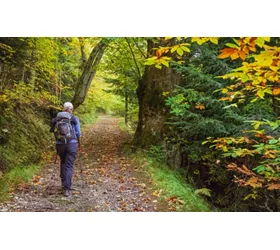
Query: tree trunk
[[89, 71], [126, 107], [152, 109]]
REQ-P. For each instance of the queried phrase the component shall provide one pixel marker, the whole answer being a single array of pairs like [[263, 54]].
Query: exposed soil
[[104, 179]]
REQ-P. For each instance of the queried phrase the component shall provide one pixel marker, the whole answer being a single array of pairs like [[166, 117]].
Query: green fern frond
[[203, 191]]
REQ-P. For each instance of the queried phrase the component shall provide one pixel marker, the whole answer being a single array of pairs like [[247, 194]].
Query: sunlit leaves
[[158, 61], [201, 40], [240, 48], [233, 53], [260, 41], [27, 94], [261, 73], [180, 48], [162, 55]]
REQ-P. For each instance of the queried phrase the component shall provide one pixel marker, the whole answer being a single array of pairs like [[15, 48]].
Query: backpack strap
[[73, 120]]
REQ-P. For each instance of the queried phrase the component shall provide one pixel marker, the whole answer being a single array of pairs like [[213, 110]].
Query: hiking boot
[[67, 193]]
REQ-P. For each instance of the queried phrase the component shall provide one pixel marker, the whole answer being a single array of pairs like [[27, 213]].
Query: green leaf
[[229, 106], [272, 141], [150, 61], [158, 66], [255, 99], [257, 124], [275, 126], [231, 45], [259, 168], [203, 191], [253, 196], [236, 41]]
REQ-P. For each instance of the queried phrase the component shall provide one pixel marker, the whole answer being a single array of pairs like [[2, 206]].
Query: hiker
[[66, 128]]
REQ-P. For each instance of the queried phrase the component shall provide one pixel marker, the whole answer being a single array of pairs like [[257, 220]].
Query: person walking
[[66, 128]]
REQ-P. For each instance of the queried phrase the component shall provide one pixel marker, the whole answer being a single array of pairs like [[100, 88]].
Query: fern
[[203, 191]]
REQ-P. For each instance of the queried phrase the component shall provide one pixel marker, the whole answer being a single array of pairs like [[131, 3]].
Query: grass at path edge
[[167, 183]]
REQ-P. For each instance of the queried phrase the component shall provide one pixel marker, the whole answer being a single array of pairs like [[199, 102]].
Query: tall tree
[[89, 71], [152, 108]]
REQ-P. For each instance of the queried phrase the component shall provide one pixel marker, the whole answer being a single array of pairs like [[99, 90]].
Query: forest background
[[200, 26]]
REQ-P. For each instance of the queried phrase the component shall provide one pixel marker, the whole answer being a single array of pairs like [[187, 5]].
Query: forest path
[[109, 181]]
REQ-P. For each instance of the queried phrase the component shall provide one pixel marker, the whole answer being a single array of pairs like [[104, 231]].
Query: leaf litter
[[104, 180]]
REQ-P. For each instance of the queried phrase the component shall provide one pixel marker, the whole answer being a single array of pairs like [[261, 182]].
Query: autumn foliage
[[252, 155]]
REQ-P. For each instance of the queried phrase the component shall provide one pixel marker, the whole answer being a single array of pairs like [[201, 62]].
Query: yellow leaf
[[180, 51], [224, 90], [253, 196], [185, 48], [260, 41], [158, 66], [199, 40], [214, 40], [174, 48], [260, 93], [165, 63], [273, 68]]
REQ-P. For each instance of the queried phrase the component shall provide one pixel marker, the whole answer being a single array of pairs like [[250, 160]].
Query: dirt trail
[[107, 183]]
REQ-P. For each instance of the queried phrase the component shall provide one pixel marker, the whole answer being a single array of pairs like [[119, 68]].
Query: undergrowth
[[17, 176], [169, 184]]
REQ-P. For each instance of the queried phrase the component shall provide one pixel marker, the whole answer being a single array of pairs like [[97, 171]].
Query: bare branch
[[134, 59], [142, 53], [83, 54]]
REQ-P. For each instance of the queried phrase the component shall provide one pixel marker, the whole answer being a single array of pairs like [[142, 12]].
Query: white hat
[[67, 105]]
